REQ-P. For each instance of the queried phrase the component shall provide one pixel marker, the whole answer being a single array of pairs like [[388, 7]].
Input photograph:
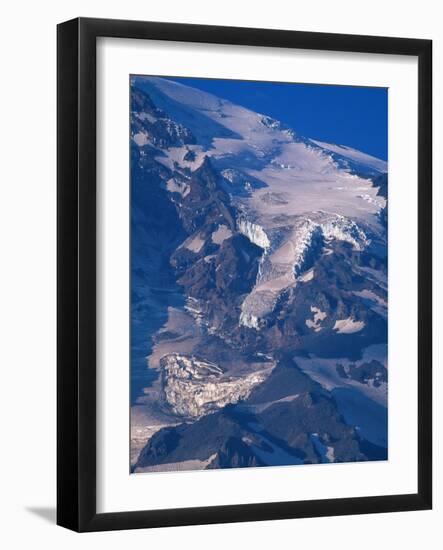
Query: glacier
[[302, 173], [193, 387], [281, 258]]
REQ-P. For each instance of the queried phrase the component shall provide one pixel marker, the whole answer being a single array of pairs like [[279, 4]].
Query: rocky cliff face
[[278, 246]]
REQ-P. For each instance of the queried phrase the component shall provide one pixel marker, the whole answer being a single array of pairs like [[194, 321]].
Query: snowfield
[[305, 194], [354, 155]]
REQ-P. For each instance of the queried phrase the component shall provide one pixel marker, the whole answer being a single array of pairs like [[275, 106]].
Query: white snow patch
[[307, 276], [185, 465], [318, 317], [147, 116], [194, 243], [221, 234], [141, 138], [330, 454], [249, 320], [263, 406], [175, 186], [348, 326], [254, 232]]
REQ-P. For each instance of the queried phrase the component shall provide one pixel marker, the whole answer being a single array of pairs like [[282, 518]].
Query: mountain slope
[[283, 255]]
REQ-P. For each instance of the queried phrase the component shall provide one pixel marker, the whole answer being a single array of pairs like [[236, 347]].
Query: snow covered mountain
[[279, 252]]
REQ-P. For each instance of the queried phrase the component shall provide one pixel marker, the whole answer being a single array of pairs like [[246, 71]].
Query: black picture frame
[[76, 265]]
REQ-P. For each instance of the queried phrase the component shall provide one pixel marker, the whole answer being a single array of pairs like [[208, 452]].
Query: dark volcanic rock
[[232, 273], [206, 204], [372, 371], [160, 448], [189, 156], [197, 441], [381, 182], [312, 413], [218, 274], [142, 103], [234, 453], [237, 265], [285, 380], [150, 121]]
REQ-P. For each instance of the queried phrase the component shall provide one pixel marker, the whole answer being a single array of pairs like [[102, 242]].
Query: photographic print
[[258, 272]]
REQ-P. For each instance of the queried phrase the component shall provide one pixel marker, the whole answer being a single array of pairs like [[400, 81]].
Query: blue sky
[[347, 115]]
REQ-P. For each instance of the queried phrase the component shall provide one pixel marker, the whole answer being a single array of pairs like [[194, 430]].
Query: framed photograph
[[244, 274]]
